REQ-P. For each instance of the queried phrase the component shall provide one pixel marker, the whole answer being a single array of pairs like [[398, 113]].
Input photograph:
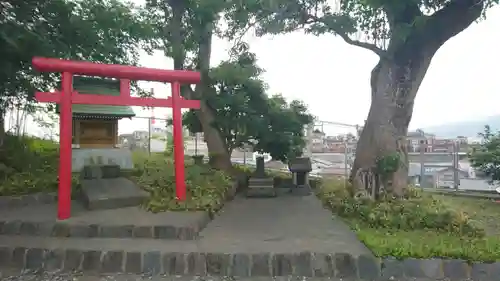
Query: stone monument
[[300, 168], [260, 185], [103, 187]]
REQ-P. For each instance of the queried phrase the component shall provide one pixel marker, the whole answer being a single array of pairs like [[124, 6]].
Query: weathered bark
[[395, 81], [219, 158]]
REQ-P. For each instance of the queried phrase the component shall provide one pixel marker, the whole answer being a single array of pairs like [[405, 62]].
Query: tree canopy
[[486, 156], [245, 115], [107, 31]]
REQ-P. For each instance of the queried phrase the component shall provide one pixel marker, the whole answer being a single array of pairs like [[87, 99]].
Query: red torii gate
[[67, 96]]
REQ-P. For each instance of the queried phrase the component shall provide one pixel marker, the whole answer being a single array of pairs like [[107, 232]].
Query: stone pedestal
[[198, 159], [104, 188], [261, 188]]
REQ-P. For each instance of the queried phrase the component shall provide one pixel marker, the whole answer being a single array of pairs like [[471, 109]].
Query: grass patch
[[420, 225], [30, 165]]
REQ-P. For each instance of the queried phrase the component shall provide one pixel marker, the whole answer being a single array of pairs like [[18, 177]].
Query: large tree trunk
[[394, 87], [396, 79], [219, 158]]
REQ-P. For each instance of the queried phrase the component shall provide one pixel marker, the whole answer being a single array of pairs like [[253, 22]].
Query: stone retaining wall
[[25, 200], [343, 266]]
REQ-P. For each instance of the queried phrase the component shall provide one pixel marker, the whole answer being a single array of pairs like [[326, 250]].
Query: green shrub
[[414, 211], [206, 188]]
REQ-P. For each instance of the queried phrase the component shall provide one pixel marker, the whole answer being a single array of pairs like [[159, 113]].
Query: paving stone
[[481, 272], [345, 265], [72, 260], [261, 265], [92, 261], [323, 265], [196, 264], [455, 269], [175, 263], [11, 227], [240, 265], [133, 262], [116, 231], [368, 267], [34, 258], [392, 268], [5, 255], [142, 232], [28, 228], [112, 261], [18, 257], [152, 263], [54, 259], [282, 265], [218, 264], [165, 232]]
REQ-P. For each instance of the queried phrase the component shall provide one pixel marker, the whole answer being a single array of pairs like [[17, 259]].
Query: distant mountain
[[465, 128]]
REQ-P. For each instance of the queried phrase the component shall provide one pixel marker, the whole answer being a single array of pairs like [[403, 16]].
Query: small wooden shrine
[[95, 127]]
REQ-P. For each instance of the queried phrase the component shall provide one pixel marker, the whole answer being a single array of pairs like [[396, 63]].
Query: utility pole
[[456, 179], [346, 174], [422, 163]]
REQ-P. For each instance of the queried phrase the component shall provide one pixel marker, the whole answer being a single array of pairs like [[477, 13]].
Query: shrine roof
[[99, 86]]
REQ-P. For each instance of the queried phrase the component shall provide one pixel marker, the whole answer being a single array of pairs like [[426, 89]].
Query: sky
[[332, 77]]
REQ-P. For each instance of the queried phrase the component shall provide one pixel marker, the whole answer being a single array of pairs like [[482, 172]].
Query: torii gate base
[[67, 97]]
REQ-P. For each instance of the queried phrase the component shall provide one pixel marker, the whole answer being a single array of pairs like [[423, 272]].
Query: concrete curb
[[25, 200], [340, 265]]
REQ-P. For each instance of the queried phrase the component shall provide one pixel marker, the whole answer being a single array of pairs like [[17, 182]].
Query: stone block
[[302, 264], [112, 262], [481, 272], [61, 229], [282, 265], [18, 258], [174, 263], [92, 261], [34, 258], [261, 265], [28, 228], [323, 265], [113, 193], [72, 260], [345, 265], [116, 231], [133, 262], [11, 227], [241, 264], [142, 232], [368, 267], [54, 259], [5, 255], [392, 269], [455, 269], [303, 190], [423, 268], [151, 262], [196, 264], [218, 264], [165, 232], [260, 192]]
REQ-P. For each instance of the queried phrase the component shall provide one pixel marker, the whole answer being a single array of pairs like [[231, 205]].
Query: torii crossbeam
[[66, 97]]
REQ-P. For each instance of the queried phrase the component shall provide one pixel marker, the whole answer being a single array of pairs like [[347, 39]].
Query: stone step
[[261, 181], [260, 192], [131, 222], [162, 257]]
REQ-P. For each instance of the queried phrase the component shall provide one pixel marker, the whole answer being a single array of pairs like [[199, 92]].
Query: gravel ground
[[6, 275]]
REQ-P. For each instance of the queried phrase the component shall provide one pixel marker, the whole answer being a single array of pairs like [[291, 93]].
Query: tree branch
[[453, 18], [338, 31]]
